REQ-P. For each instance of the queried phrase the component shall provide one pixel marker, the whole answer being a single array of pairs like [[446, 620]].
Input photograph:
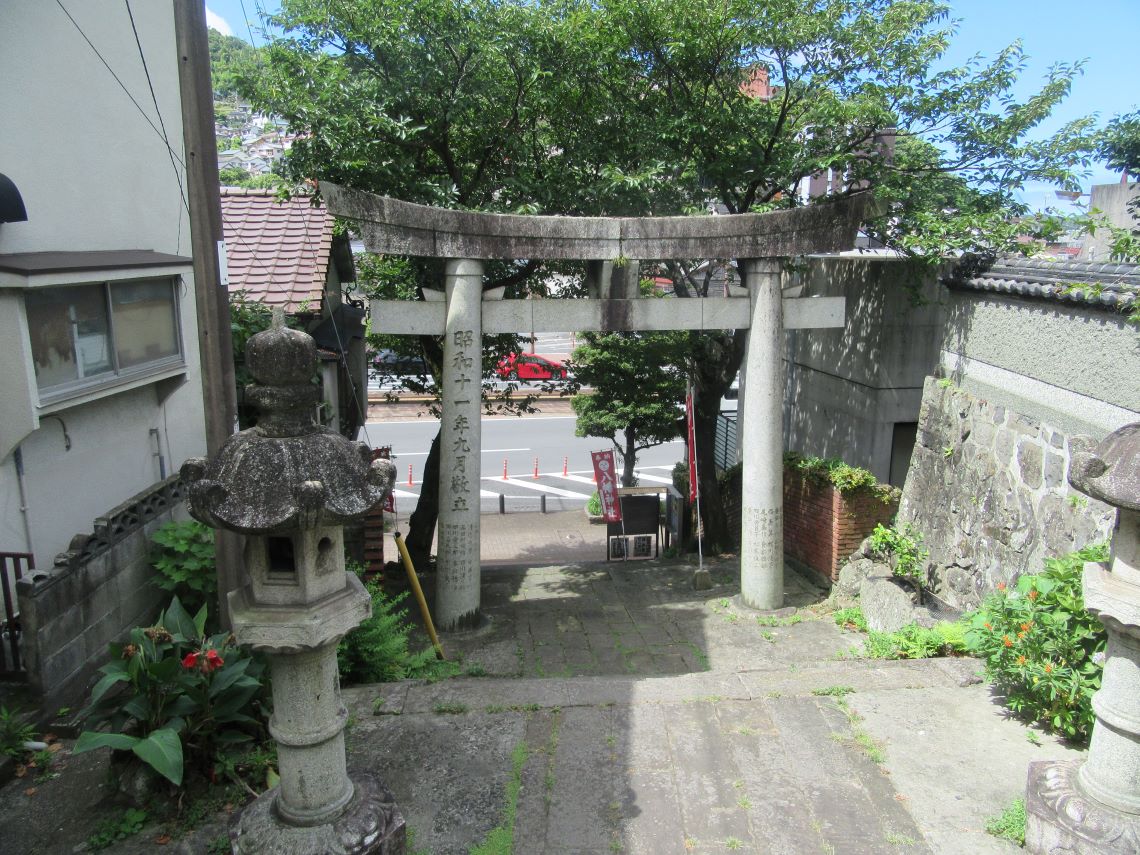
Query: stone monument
[[1094, 807], [288, 485]]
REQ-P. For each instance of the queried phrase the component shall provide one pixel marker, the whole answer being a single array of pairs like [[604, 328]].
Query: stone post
[[762, 496], [1094, 807], [457, 592], [288, 485]]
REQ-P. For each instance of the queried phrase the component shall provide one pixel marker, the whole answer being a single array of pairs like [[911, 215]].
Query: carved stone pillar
[[457, 579], [762, 494]]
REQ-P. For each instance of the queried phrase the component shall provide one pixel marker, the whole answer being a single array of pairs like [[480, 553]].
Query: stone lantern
[[1094, 807], [288, 485]]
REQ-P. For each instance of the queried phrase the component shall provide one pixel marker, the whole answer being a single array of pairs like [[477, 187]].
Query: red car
[[530, 366]]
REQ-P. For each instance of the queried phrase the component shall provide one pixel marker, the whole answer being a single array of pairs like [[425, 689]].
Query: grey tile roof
[[1110, 286]]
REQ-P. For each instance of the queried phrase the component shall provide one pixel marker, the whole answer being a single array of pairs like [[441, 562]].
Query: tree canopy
[[665, 107], [636, 389]]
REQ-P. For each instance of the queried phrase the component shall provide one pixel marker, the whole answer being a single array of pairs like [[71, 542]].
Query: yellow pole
[[414, 581]]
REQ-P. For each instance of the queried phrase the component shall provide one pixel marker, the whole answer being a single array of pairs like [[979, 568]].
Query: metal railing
[[13, 566]]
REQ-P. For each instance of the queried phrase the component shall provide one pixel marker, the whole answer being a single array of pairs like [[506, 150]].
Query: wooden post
[[211, 297]]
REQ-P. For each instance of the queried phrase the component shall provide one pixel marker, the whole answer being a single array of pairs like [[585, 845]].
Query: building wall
[[94, 175], [846, 388], [1112, 200]]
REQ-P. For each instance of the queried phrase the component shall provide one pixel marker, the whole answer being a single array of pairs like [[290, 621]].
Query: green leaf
[[162, 751], [106, 682], [179, 623], [89, 740]]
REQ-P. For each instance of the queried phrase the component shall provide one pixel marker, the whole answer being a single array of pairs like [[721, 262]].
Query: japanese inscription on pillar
[[462, 364]]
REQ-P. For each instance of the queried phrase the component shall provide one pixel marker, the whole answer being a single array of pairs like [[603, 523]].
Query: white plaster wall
[[92, 171], [94, 176]]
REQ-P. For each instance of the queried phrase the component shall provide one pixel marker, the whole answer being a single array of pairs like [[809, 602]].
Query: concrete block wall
[[988, 489], [92, 599]]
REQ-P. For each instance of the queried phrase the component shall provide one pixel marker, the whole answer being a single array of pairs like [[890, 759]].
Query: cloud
[[217, 22]]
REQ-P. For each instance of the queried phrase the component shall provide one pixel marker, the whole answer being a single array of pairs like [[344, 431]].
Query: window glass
[[70, 334], [85, 335], [145, 323]]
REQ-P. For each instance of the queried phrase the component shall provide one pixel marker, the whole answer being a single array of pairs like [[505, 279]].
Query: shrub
[[14, 732], [377, 651], [182, 697], [918, 642], [1041, 646], [1010, 824], [903, 543], [844, 477], [184, 559], [594, 505]]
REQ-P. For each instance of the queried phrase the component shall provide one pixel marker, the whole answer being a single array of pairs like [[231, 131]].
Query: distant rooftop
[[276, 252], [1110, 286]]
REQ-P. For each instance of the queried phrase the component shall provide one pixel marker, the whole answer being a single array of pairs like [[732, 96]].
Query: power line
[[158, 112], [248, 29], [122, 86]]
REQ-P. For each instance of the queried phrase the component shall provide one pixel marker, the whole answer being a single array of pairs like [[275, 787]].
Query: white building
[[101, 388]]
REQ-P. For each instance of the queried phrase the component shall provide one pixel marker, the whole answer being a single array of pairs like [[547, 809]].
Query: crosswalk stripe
[[542, 488]]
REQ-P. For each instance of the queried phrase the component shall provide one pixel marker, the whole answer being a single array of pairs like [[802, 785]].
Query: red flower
[[988, 625], [1033, 594], [1020, 660], [207, 660], [1007, 641], [1025, 627], [1048, 668], [1001, 586]]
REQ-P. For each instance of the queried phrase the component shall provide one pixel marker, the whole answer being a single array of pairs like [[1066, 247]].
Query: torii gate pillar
[[457, 564], [762, 501]]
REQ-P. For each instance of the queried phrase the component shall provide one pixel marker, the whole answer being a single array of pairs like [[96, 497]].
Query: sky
[[1100, 32]]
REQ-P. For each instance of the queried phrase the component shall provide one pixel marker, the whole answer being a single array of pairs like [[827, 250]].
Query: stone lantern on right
[[1094, 807]]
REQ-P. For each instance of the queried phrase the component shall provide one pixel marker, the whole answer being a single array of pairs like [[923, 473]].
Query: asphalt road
[[518, 442]]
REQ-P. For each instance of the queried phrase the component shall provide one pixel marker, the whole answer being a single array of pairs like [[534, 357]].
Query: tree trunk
[[421, 525], [629, 457]]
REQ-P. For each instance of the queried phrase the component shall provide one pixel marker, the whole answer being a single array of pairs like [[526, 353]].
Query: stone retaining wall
[[97, 590], [988, 489]]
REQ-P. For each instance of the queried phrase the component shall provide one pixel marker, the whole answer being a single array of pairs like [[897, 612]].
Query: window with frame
[[85, 336]]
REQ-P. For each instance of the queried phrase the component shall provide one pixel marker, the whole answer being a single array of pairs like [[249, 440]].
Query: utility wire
[[122, 86], [161, 123], [248, 28]]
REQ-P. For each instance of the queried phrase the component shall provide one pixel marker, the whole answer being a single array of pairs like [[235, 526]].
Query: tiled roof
[[276, 252], [1109, 286]]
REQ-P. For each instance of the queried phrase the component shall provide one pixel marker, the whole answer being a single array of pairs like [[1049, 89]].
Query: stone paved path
[[616, 710], [637, 715]]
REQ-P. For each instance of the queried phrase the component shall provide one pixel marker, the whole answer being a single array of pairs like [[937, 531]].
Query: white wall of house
[[94, 175]]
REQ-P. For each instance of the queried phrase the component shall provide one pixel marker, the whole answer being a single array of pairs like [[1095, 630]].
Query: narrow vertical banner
[[691, 439], [605, 476]]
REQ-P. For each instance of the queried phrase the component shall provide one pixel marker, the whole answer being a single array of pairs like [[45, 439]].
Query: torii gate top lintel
[[403, 228]]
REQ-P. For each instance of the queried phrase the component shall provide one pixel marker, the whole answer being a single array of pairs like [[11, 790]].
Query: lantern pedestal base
[[371, 824], [1062, 820]]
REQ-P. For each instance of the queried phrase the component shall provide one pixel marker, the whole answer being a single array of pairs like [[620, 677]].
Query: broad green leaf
[[90, 740], [179, 623], [105, 683], [162, 751]]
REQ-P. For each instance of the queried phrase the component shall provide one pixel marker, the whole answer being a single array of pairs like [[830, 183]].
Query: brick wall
[[822, 526]]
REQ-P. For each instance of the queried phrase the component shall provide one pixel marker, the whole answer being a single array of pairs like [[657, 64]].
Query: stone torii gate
[[612, 247]]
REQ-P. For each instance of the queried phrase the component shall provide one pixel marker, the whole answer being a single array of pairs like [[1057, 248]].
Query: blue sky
[[1101, 32]]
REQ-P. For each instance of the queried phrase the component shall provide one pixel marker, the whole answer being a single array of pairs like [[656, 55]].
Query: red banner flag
[[605, 476], [691, 439]]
